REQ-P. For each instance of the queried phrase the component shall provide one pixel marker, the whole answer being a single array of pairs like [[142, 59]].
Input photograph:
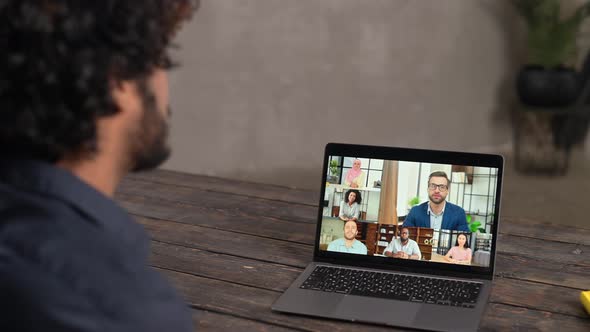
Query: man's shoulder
[[22, 204], [359, 247], [51, 235], [23, 218], [34, 242], [359, 244], [336, 242], [24, 211], [417, 213], [58, 260], [414, 246], [421, 207]]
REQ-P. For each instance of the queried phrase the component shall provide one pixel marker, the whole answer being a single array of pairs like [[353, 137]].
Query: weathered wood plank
[[537, 296], [500, 317], [280, 276], [260, 239], [248, 302], [549, 251], [302, 233], [238, 205], [553, 232], [211, 321], [214, 241], [236, 187], [508, 225], [219, 241], [169, 202], [557, 252], [219, 219], [275, 277], [224, 267], [553, 273]]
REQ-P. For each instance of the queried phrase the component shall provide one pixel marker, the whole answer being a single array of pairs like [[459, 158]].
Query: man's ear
[[125, 95]]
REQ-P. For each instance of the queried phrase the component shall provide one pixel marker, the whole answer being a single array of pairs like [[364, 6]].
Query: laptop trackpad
[[370, 309]]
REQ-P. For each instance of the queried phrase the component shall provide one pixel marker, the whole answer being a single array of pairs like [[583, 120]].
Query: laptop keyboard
[[393, 286]]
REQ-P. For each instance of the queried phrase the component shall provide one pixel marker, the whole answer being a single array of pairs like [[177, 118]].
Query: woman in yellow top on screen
[[355, 177], [460, 253]]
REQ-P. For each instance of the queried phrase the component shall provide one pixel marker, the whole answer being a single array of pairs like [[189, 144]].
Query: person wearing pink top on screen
[[460, 253], [355, 177]]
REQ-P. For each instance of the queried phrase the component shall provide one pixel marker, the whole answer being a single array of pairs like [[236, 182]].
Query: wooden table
[[232, 247]]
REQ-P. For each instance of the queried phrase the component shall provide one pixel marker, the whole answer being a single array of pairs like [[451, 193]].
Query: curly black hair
[[60, 58], [358, 198]]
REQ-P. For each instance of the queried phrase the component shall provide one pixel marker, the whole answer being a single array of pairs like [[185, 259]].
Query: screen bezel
[[412, 155]]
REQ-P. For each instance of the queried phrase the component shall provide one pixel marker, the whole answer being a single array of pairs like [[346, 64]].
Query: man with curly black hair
[[83, 101]]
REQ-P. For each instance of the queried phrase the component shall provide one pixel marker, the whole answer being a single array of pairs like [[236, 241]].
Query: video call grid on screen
[[464, 237]]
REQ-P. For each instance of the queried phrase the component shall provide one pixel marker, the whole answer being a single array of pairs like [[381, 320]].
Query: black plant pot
[[567, 86], [532, 85], [540, 87]]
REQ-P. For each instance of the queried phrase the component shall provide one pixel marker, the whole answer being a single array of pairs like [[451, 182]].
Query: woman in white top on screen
[[350, 206], [355, 177]]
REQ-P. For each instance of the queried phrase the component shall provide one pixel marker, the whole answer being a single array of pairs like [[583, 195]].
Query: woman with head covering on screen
[[355, 177]]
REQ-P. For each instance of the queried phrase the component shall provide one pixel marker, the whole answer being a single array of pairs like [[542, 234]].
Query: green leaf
[[551, 41], [334, 167], [473, 227]]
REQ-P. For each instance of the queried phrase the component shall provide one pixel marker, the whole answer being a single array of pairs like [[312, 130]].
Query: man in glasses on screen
[[437, 213]]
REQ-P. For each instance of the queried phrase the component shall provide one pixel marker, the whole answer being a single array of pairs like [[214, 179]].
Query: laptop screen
[[418, 209]]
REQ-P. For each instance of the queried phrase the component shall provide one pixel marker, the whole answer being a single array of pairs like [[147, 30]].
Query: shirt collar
[[431, 213], [52, 181]]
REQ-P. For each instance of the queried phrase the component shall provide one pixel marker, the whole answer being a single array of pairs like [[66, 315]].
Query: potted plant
[[548, 88], [413, 202], [334, 171], [548, 79], [474, 226]]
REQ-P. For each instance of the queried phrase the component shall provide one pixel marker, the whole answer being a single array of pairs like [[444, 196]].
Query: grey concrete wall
[[266, 83]]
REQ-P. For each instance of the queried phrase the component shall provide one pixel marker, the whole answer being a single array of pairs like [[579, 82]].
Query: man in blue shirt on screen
[[437, 213], [349, 243]]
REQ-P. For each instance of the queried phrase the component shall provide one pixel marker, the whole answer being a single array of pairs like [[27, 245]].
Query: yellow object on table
[[585, 298]]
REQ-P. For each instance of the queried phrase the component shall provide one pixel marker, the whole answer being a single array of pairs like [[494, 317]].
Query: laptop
[[405, 237]]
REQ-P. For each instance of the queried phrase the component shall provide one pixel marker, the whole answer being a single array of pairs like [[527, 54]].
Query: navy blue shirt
[[72, 260]]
